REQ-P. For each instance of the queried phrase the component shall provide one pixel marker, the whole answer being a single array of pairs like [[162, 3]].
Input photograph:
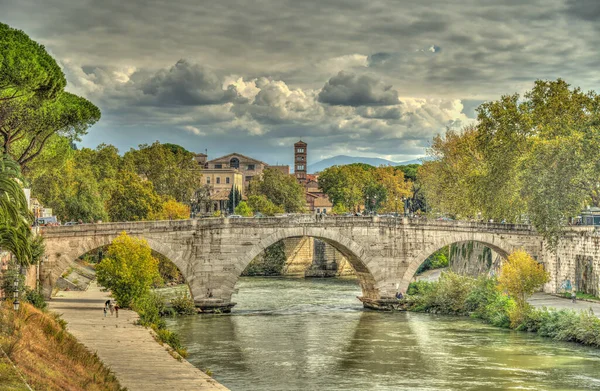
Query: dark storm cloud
[[254, 75], [348, 89], [584, 9], [189, 85]]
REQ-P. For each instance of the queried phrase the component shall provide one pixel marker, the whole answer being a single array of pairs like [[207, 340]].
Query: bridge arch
[[356, 254], [61, 257], [493, 241]]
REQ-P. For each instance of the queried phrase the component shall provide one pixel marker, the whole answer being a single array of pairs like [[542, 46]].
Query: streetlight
[[16, 294]]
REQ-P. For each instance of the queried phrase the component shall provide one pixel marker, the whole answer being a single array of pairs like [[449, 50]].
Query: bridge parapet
[[140, 227]]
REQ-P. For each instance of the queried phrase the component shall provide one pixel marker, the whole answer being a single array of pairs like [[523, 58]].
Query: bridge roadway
[[384, 252]]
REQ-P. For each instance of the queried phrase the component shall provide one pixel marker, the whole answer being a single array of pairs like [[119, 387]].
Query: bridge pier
[[212, 305]]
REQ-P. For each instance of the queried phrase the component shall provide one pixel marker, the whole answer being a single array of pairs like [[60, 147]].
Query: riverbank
[[138, 361], [37, 353]]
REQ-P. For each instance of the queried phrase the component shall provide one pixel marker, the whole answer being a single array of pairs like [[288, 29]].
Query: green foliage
[[27, 69], [36, 298], [380, 189], [437, 260], [235, 197], [169, 273], [8, 278], [170, 168], [132, 199], [534, 155], [564, 325], [339, 209], [410, 171], [183, 304], [270, 263], [420, 287], [128, 270], [260, 203], [150, 307], [243, 209], [15, 218], [282, 190], [520, 276]]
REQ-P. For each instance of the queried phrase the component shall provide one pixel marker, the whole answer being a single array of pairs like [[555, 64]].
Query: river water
[[296, 334]]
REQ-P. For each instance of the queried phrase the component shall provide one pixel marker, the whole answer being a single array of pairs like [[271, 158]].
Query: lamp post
[[16, 294]]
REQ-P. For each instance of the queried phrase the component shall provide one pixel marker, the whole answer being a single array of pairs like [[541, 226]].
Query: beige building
[[221, 181], [246, 166]]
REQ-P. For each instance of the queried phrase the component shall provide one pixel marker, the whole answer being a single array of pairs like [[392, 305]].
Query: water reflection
[[314, 335]]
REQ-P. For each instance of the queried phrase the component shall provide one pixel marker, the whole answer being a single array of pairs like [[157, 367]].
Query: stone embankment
[[130, 351]]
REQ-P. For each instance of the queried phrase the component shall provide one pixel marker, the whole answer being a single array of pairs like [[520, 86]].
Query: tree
[[281, 189], [128, 270], [172, 210], [15, 218], [529, 156], [451, 180], [132, 199], [243, 209], [346, 184], [235, 197], [260, 203], [33, 103], [78, 188], [26, 69], [339, 209], [396, 188], [171, 169], [520, 276]]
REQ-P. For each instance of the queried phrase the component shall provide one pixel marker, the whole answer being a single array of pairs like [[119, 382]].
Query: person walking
[[105, 311], [574, 296], [111, 307], [117, 310]]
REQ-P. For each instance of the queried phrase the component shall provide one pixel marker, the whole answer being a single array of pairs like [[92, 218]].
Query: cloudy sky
[[373, 78]]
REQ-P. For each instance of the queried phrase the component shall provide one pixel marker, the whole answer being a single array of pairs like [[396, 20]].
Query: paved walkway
[[138, 361], [551, 301]]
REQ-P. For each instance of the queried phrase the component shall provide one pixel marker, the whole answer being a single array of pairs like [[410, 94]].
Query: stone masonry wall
[[577, 259], [473, 259]]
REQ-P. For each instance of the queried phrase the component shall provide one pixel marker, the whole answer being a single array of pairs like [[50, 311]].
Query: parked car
[[234, 217], [71, 223]]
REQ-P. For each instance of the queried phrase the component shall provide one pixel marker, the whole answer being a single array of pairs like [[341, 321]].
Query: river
[[297, 334]]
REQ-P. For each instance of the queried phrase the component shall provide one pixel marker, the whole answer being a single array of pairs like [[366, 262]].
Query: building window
[[218, 180], [318, 210], [227, 180], [208, 180], [300, 158], [218, 166], [234, 163], [324, 210], [249, 178], [300, 150], [300, 167], [250, 166]]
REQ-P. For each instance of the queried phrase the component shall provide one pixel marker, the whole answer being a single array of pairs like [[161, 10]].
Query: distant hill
[[342, 159]]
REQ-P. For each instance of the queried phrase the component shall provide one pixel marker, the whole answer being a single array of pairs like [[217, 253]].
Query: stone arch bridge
[[212, 253]]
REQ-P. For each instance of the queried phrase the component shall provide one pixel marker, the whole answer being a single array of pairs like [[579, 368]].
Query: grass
[[580, 295], [48, 357], [10, 380]]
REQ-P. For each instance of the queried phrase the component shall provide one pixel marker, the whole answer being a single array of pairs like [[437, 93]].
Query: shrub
[[36, 298], [437, 260], [447, 296], [129, 269], [150, 307], [520, 276], [183, 304]]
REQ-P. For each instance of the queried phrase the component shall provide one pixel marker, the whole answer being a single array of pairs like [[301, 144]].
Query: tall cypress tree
[[235, 192]]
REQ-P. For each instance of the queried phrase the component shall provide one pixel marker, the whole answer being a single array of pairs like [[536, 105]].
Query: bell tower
[[300, 162]]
